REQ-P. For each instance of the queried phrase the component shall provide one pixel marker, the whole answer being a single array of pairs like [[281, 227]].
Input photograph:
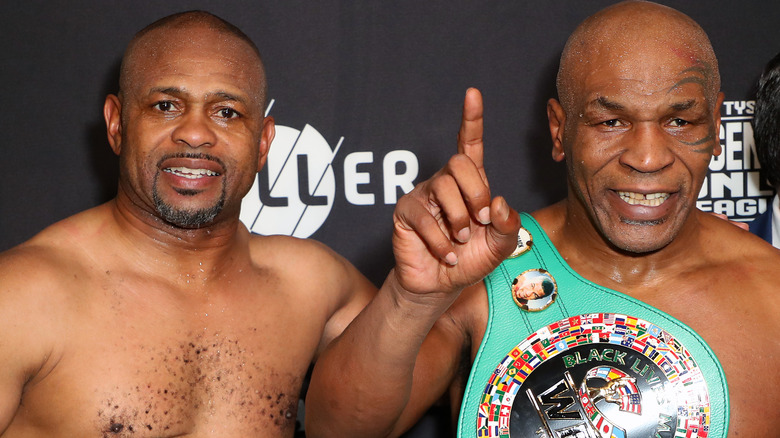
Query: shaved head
[[629, 27], [164, 34]]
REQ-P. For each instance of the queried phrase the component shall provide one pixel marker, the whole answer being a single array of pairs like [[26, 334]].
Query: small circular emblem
[[524, 242], [534, 290]]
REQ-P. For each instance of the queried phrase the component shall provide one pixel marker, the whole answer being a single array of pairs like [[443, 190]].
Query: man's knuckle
[[443, 182]]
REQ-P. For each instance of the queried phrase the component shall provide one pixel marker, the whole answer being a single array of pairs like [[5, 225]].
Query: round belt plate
[[600, 375]]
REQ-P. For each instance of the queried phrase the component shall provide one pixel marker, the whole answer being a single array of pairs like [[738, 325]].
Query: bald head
[[164, 35], [635, 28]]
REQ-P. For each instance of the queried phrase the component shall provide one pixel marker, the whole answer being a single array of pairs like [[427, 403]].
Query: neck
[[588, 252], [178, 252]]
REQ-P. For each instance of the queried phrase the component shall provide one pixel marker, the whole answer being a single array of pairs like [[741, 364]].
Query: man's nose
[[647, 149], [195, 129]]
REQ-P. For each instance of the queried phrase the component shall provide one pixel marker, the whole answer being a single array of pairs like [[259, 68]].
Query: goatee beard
[[187, 218]]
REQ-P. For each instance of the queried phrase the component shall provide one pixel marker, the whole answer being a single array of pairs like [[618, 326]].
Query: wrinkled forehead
[[650, 67], [168, 48], [661, 71], [654, 50]]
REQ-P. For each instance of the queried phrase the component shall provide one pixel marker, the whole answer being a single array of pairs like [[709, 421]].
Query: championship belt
[[563, 357]]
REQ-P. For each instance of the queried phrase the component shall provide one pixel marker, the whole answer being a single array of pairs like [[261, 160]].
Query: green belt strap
[[596, 363]]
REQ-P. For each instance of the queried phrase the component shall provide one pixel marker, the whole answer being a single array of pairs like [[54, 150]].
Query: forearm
[[448, 234], [362, 382]]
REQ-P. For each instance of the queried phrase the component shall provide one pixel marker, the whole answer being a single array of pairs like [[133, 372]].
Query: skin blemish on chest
[[210, 382]]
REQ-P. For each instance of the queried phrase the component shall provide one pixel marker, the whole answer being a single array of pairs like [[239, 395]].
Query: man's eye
[[678, 122], [228, 113], [164, 106], [612, 123]]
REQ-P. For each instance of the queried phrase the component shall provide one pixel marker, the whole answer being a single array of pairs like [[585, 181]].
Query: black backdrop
[[371, 78]]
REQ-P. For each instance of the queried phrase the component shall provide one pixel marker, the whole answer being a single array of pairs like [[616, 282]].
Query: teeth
[[186, 172], [649, 200]]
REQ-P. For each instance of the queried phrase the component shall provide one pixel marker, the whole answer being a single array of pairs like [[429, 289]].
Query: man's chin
[[641, 236], [190, 219], [189, 209], [644, 223], [639, 245]]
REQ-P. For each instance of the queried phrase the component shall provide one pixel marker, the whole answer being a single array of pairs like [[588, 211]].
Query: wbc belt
[[564, 357]]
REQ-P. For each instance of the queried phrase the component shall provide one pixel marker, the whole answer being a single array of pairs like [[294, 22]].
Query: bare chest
[[155, 368], [216, 384]]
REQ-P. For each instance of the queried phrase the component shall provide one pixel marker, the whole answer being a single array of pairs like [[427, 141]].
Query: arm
[[22, 354], [448, 235], [12, 373]]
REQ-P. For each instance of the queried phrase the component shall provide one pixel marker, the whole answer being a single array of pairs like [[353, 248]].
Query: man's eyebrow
[[608, 104], [704, 71], [229, 96], [178, 91], [682, 106], [174, 91]]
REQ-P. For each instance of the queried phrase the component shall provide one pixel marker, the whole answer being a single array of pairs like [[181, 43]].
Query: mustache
[[190, 155]]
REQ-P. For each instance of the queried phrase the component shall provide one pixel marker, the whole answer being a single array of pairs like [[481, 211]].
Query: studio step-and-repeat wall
[[367, 98]]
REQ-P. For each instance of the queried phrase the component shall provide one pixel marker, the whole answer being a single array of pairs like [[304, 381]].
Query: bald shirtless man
[[158, 314], [636, 124]]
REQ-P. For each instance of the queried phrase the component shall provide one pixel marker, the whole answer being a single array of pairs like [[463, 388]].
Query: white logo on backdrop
[[294, 194], [733, 186]]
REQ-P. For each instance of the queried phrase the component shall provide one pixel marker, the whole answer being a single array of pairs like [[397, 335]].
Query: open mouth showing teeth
[[649, 200], [186, 172]]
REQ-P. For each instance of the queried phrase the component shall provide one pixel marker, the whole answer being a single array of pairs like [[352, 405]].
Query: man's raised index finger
[[470, 135]]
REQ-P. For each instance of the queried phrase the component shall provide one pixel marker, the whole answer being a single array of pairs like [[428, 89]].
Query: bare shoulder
[[38, 274], [733, 281], [286, 249], [38, 296], [739, 252], [47, 269], [303, 259], [37, 264], [314, 273], [729, 268]]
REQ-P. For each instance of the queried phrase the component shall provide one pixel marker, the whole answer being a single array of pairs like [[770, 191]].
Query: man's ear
[[266, 137], [556, 118], [717, 149], [112, 113]]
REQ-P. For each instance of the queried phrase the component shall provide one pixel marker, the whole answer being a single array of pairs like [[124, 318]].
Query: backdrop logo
[[294, 193], [734, 186]]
